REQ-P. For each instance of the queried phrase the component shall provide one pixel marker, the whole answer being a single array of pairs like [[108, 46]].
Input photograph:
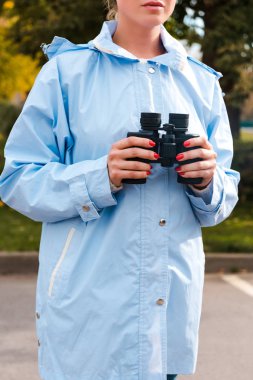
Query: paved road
[[226, 337]]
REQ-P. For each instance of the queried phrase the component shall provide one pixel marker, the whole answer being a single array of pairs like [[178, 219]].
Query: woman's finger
[[197, 166], [198, 141], [118, 175], [208, 174], [137, 153], [202, 153], [132, 141], [133, 165]]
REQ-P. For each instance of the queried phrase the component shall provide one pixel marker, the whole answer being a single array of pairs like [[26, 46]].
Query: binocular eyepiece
[[152, 121], [169, 140]]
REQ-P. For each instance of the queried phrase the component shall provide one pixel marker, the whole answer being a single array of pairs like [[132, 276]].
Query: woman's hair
[[111, 5]]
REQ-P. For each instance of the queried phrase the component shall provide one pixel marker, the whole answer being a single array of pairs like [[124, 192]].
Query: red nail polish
[[152, 143], [178, 169], [181, 173], [156, 155], [180, 156], [187, 143], [151, 167], [148, 173]]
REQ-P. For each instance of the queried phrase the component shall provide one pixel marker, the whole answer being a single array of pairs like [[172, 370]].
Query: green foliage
[[226, 39], [17, 71], [2, 142], [8, 115], [39, 21], [243, 162]]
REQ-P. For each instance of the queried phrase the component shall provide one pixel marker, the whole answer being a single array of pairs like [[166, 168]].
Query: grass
[[19, 233], [234, 234]]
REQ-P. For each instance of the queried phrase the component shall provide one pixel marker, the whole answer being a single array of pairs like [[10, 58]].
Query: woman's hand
[[205, 168], [131, 147]]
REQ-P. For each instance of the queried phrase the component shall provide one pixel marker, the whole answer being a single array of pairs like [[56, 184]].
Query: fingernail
[[187, 143], [156, 155], [151, 166], [181, 173], [148, 173], [152, 143], [178, 169], [179, 156]]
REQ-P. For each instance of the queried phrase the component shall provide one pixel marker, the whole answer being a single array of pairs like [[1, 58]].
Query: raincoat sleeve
[[38, 180], [216, 203]]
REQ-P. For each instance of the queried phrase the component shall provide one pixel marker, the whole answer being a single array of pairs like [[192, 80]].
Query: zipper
[[60, 261]]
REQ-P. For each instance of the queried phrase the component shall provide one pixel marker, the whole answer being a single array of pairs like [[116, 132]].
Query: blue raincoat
[[121, 274]]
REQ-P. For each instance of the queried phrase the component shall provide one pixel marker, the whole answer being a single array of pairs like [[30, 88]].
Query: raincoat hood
[[60, 45]]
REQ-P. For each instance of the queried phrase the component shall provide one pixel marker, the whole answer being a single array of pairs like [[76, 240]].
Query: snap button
[[37, 315], [151, 70], [86, 208], [160, 301], [162, 222], [38, 343]]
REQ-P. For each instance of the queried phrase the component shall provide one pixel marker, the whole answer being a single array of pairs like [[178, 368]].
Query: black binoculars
[[169, 141]]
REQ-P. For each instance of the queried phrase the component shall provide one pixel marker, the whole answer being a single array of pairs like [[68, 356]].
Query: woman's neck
[[141, 42]]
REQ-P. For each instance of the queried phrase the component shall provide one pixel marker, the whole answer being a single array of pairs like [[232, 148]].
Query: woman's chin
[[152, 20]]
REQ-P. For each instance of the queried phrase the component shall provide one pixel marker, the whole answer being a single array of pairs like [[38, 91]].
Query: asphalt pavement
[[226, 333]]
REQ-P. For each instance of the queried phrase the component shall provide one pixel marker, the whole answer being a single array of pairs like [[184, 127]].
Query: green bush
[[243, 162], [8, 116]]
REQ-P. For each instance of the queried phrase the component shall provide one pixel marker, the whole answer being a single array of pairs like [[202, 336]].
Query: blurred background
[[218, 32]]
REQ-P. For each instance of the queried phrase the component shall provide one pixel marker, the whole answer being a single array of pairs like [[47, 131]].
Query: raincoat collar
[[175, 57]]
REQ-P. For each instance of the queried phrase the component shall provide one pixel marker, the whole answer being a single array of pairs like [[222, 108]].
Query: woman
[[121, 265]]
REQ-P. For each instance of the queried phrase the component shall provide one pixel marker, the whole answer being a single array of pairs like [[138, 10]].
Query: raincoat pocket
[[57, 273]]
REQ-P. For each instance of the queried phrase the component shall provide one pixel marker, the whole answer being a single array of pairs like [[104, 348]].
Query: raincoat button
[[86, 208], [38, 343], [162, 222], [151, 70], [160, 301], [37, 315]]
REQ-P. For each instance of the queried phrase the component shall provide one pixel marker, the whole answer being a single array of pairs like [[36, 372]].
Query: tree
[[17, 71], [247, 112], [224, 30], [39, 21]]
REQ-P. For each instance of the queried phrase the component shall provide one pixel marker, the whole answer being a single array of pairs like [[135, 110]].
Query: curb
[[19, 262], [27, 262], [229, 262]]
